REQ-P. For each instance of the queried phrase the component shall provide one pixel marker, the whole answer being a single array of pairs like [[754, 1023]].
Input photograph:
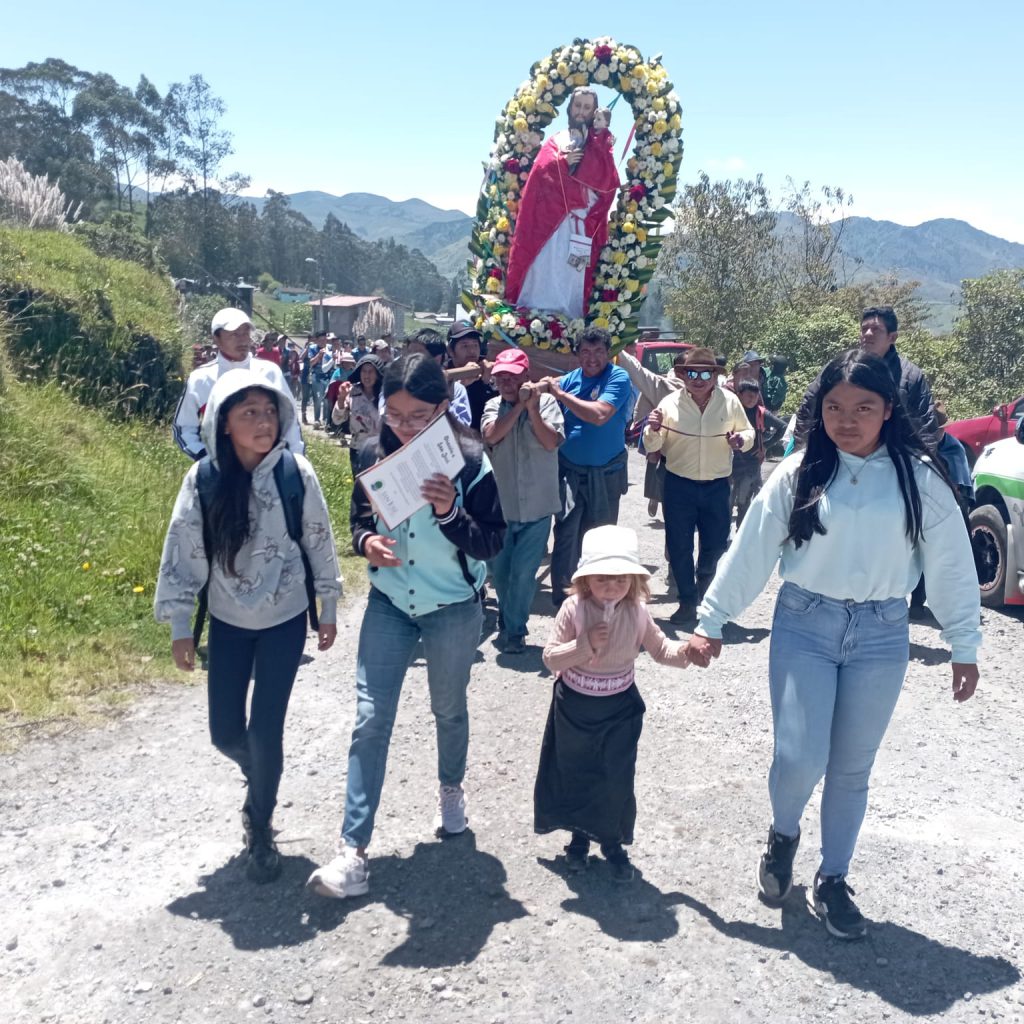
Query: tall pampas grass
[[32, 200]]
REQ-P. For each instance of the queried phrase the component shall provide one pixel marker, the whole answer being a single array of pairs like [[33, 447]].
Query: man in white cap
[[232, 335], [522, 431]]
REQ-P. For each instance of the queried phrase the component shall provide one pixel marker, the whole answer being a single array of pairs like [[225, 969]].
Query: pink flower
[[638, 193], [603, 54]]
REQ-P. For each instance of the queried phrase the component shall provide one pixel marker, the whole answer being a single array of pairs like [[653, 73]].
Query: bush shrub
[[105, 329]]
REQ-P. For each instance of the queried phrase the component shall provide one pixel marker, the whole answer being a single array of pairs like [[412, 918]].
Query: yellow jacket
[[693, 442]]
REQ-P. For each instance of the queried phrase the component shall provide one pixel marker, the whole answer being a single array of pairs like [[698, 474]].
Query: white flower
[[601, 74], [558, 88], [508, 322], [641, 262]]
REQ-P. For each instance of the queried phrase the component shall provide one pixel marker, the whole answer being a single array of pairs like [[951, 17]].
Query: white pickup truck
[[997, 522]]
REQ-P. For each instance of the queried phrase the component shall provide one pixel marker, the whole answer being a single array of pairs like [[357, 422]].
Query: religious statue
[[562, 223]]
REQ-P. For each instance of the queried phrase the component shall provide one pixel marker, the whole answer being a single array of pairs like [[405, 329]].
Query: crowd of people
[[868, 506]]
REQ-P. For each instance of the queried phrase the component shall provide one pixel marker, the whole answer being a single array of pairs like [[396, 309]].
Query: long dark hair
[[227, 515], [423, 379], [821, 458]]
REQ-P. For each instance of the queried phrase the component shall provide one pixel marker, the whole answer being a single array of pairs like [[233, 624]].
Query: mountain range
[[938, 253]]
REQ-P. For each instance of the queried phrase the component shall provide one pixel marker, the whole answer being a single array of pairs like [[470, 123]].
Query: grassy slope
[[83, 510]]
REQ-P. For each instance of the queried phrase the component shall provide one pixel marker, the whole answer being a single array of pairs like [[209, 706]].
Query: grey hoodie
[[269, 587]]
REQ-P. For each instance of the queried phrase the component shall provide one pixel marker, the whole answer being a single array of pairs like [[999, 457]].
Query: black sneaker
[[577, 853], [684, 614], [830, 900], [618, 862], [775, 869], [264, 862]]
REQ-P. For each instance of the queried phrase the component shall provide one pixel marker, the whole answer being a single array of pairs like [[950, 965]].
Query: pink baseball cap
[[511, 360]]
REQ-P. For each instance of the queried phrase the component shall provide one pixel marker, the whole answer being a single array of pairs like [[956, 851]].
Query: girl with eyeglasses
[[426, 579]]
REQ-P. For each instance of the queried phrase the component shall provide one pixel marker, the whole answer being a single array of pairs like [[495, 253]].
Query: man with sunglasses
[[697, 429]]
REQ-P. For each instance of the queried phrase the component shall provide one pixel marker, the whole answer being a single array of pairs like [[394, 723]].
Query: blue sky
[[914, 108]]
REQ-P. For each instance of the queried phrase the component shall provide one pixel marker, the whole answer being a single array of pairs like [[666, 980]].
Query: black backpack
[[292, 492]]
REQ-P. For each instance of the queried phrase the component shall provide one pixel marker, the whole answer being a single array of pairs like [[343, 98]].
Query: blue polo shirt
[[585, 444]]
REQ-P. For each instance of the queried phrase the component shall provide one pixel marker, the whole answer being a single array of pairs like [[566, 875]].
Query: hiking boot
[[576, 853], [263, 863], [622, 870], [683, 615], [830, 900], [451, 811], [775, 869], [346, 875]]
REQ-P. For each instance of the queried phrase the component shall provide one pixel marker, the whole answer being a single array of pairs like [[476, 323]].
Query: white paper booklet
[[394, 483]]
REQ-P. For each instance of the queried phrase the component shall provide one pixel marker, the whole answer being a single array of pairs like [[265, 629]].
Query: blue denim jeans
[[836, 669], [270, 658], [387, 640], [514, 572], [318, 389]]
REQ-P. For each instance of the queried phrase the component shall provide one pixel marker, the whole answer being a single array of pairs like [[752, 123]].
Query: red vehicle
[[658, 354], [982, 430]]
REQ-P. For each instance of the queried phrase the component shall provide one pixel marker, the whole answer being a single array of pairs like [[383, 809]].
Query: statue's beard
[[580, 123]]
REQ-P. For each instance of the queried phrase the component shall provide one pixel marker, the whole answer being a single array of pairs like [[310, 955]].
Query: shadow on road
[[635, 912], [918, 975], [450, 893], [929, 655], [254, 916]]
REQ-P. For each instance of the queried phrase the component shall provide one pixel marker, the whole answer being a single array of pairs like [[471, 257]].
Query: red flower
[[524, 322], [512, 165], [609, 295], [557, 331], [603, 53], [638, 193], [494, 272]]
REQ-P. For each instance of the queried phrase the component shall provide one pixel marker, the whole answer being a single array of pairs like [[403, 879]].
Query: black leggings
[[256, 747]]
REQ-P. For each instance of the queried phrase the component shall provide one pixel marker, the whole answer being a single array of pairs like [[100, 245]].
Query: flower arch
[[627, 261]]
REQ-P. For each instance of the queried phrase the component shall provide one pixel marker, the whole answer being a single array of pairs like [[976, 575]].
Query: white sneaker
[[346, 875], [451, 811]]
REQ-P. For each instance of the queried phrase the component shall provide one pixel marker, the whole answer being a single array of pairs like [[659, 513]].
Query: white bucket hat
[[610, 551]]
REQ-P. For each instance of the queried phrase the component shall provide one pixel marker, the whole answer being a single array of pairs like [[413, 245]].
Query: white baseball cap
[[229, 319]]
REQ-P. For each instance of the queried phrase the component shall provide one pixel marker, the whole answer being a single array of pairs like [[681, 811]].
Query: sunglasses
[[700, 374]]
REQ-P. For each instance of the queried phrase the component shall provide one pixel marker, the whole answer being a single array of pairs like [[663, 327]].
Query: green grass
[[83, 509]]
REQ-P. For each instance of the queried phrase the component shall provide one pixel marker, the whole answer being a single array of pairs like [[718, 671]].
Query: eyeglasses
[[417, 421], [699, 374]]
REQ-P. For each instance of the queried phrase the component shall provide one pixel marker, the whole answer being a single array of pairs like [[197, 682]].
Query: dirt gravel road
[[122, 896]]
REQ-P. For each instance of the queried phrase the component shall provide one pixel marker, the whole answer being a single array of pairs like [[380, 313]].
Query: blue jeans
[[836, 669], [318, 389], [387, 640], [514, 572], [270, 657]]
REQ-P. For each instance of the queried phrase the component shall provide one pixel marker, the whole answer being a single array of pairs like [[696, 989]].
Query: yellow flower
[[631, 206], [660, 127], [659, 103], [502, 223], [588, 54], [669, 170], [624, 85], [529, 103], [512, 109], [656, 149], [493, 285], [580, 78], [628, 227], [632, 166], [641, 235], [138, 590], [563, 68], [619, 258], [520, 124], [600, 321], [499, 250], [86, 566], [542, 82], [653, 88], [543, 344], [633, 286], [640, 73], [676, 122]]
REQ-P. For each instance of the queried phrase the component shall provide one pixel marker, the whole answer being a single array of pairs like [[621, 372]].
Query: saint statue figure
[[562, 223]]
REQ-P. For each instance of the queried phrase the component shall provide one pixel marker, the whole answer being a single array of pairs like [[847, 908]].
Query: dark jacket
[[913, 389]]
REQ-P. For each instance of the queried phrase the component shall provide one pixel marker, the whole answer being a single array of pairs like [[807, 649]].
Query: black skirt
[[587, 765]]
